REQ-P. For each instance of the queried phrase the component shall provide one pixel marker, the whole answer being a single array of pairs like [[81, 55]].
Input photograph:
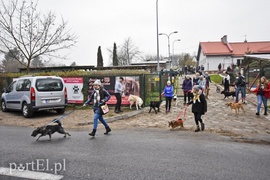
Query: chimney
[[224, 39]]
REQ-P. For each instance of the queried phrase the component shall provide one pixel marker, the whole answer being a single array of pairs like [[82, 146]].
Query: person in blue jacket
[[168, 93], [98, 97]]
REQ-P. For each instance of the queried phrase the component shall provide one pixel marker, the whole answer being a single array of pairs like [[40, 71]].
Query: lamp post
[[158, 66], [173, 47], [168, 36]]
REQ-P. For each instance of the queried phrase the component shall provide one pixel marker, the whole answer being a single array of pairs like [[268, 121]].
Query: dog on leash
[[228, 94], [235, 106], [175, 123], [135, 99], [49, 130], [154, 105], [175, 99]]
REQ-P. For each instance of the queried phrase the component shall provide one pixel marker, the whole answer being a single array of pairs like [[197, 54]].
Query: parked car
[[35, 93]]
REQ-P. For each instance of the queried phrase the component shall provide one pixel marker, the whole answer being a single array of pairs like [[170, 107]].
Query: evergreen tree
[[115, 59], [99, 58]]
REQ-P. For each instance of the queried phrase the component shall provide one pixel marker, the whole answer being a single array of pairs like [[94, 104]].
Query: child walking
[[99, 97], [199, 107]]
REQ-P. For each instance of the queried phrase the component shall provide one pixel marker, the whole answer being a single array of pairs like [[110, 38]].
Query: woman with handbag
[[99, 97]]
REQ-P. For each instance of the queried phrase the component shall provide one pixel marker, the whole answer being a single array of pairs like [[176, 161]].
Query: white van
[[35, 93]]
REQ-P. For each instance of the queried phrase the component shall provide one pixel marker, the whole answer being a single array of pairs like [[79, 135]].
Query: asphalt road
[[134, 154]]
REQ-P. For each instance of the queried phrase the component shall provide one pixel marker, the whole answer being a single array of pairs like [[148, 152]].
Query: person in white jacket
[[202, 83]]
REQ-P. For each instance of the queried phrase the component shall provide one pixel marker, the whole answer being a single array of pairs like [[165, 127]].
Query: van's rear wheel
[[60, 111], [3, 106], [26, 111]]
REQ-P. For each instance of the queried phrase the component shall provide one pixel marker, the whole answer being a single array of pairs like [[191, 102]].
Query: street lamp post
[[158, 66], [168, 36], [173, 47]]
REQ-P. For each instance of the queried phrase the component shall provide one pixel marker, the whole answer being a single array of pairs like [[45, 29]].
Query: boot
[[108, 129], [202, 126], [93, 132], [197, 128]]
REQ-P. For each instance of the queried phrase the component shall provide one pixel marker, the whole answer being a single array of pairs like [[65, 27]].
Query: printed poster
[[74, 87]]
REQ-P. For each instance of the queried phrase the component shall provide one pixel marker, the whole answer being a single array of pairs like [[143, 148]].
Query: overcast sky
[[103, 22]]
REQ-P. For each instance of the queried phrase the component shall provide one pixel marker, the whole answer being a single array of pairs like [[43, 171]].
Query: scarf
[[196, 96], [96, 97]]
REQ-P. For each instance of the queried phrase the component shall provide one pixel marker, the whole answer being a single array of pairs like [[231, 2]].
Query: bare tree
[[128, 53], [32, 33]]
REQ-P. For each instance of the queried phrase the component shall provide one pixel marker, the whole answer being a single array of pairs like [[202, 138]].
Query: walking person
[[118, 90], [219, 68], [187, 88], [207, 84], [98, 97], [199, 107], [240, 87], [226, 80], [263, 93], [168, 93]]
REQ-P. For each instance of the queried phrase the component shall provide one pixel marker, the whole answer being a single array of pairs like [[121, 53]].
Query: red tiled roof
[[235, 49]]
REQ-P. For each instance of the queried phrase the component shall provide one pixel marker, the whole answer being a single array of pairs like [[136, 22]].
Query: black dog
[[49, 130], [228, 94], [154, 105]]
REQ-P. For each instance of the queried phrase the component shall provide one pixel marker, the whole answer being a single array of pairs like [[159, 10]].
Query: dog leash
[[185, 114], [61, 117]]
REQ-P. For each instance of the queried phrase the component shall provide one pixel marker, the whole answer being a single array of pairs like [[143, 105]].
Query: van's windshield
[[49, 85]]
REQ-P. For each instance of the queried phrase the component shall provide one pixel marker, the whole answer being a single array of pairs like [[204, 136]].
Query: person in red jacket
[[263, 92]]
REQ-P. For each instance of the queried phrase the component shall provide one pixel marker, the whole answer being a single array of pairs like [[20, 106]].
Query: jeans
[[242, 89], [99, 117], [261, 99]]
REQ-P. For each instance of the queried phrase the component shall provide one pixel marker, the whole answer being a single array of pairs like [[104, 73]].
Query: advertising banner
[[131, 85], [74, 87]]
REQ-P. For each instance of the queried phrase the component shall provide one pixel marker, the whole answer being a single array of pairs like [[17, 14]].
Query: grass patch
[[216, 78]]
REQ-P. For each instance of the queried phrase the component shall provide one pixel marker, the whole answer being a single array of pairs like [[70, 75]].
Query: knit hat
[[97, 82], [197, 87]]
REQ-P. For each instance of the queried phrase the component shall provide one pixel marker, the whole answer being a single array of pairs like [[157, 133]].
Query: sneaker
[[257, 114], [265, 114], [116, 111]]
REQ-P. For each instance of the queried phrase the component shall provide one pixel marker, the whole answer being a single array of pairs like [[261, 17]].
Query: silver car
[[35, 93]]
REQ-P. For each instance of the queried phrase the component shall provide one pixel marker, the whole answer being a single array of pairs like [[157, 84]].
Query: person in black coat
[[199, 107]]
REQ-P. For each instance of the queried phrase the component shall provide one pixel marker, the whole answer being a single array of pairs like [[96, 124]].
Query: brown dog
[[235, 106], [175, 123]]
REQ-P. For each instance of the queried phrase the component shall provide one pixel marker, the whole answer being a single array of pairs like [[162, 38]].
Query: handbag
[[104, 108]]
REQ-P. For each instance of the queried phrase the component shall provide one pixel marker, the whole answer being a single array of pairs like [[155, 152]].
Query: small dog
[[154, 105], [236, 106], [177, 123], [49, 130], [228, 94], [175, 99], [135, 99]]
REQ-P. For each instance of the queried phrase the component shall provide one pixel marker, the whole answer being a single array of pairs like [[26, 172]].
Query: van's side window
[[23, 85], [11, 87]]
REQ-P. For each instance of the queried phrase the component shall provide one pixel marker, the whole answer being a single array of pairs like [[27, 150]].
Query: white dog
[[135, 99]]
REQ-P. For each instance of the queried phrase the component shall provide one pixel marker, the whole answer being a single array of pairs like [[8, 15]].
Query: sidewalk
[[245, 127]]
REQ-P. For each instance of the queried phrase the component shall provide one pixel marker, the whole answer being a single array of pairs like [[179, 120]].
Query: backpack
[[241, 81]]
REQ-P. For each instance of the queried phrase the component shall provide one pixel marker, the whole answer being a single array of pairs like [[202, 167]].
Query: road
[[137, 153]]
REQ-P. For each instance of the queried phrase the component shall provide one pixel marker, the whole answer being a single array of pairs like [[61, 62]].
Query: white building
[[210, 54]]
